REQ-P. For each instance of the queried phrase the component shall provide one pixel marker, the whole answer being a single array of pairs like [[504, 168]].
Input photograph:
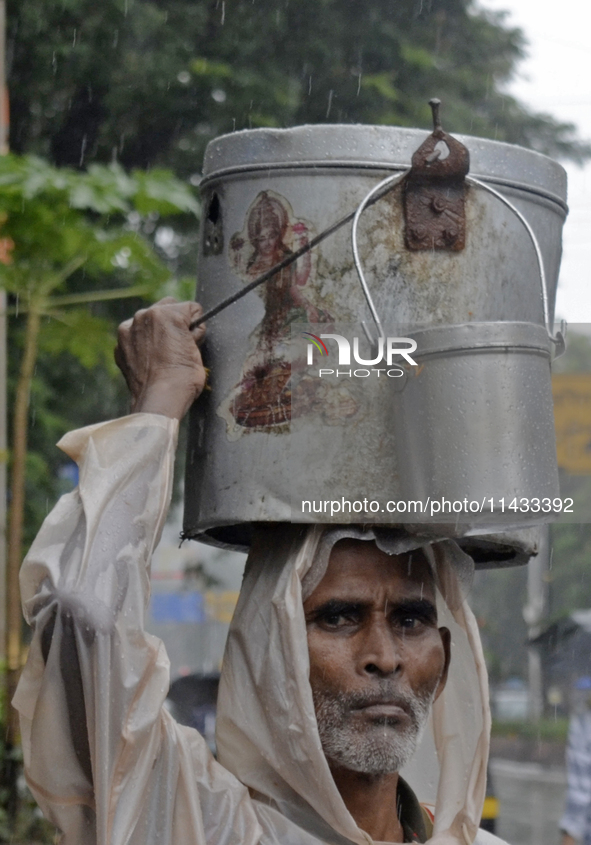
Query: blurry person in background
[[576, 821]]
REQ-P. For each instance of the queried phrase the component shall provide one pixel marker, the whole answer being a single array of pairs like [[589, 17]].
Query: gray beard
[[383, 746]]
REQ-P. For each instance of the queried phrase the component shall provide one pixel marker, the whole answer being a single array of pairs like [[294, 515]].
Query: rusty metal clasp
[[435, 190]]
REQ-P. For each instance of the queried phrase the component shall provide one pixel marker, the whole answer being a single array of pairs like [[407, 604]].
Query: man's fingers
[[122, 364], [127, 328], [190, 311], [187, 311], [199, 331], [199, 334], [122, 335], [157, 353], [117, 356]]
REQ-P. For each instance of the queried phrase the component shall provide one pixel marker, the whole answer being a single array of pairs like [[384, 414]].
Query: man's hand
[[158, 355]]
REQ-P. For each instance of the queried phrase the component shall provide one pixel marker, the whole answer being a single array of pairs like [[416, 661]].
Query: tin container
[[477, 314], [483, 400]]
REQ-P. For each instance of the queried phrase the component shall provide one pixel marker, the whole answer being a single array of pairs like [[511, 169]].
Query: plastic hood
[[266, 728]]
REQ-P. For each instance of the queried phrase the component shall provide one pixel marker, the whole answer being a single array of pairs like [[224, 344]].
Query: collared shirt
[[415, 821]]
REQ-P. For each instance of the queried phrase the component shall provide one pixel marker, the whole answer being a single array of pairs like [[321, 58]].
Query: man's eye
[[410, 622], [416, 616], [333, 620], [338, 620]]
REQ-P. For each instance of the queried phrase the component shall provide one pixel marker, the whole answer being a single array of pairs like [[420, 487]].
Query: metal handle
[[559, 338], [389, 182]]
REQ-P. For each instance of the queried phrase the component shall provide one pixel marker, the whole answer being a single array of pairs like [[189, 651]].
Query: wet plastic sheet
[[108, 765]]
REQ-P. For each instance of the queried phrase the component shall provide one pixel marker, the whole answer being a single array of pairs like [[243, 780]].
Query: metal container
[[475, 420], [266, 192]]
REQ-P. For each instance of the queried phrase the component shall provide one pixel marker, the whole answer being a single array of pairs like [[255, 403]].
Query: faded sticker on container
[[261, 400]]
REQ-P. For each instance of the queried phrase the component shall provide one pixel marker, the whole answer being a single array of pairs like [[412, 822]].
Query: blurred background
[[106, 114]]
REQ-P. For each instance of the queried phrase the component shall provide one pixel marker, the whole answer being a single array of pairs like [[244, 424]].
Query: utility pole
[[534, 613]]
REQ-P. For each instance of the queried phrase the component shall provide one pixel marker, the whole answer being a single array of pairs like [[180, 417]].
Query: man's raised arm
[[104, 760]]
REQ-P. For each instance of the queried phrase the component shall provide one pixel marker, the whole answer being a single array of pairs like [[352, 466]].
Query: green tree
[[152, 81], [69, 239], [70, 234]]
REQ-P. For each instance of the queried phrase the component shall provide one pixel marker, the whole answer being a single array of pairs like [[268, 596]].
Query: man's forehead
[[358, 567]]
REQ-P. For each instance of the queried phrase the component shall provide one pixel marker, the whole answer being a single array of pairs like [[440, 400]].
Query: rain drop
[[330, 96]]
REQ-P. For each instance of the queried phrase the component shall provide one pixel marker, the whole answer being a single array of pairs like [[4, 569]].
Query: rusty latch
[[435, 190]]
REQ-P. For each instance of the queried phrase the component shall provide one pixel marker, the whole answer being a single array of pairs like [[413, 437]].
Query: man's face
[[377, 658]]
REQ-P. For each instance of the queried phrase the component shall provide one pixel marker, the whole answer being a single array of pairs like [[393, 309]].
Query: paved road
[[531, 801]]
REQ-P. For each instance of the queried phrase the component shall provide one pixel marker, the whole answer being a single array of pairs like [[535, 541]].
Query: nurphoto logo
[[386, 351]]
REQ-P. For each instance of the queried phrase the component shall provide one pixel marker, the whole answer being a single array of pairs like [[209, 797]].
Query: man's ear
[[446, 642]]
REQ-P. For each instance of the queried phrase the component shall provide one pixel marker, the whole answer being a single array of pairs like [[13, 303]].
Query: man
[[334, 658], [377, 661]]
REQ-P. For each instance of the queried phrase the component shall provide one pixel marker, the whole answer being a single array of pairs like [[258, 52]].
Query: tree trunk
[[15, 534]]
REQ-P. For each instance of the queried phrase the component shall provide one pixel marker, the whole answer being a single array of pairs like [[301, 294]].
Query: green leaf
[[417, 57], [159, 191], [382, 83], [208, 68], [88, 338]]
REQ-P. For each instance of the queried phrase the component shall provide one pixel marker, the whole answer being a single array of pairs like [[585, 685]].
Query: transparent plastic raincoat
[[104, 759]]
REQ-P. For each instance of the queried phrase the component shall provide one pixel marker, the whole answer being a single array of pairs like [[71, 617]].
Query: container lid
[[377, 148]]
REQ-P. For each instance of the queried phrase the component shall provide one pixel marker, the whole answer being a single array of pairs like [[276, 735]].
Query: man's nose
[[381, 653]]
